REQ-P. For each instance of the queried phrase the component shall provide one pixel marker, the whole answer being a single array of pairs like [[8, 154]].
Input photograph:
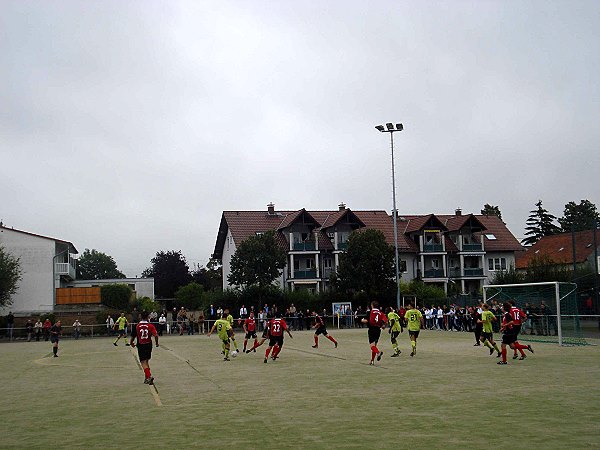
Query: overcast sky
[[129, 126]]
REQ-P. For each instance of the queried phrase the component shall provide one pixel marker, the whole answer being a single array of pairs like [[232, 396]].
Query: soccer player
[[223, 327], [415, 321], [121, 324], [229, 318], [518, 317], [321, 328], [276, 326], [250, 330], [144, 331], [55, 332], [264, 337], [375, 321], [395, 328], [509, 337], [486, 320]]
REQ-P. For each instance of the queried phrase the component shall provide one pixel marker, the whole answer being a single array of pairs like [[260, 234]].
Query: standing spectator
[[243, 313], [162, 324], [76, 329], [220, 313], [46, 327], [10, 325], [191, 323], [110, 325], [348, 313], [173, 320], [38, 330], [440, 318], [135, 318], [262, 320], [307, 319], [293, 317], [527, 324], [29, 329], [300, 319], [55, 332], [201, 322], [358, 317], [181, 318]]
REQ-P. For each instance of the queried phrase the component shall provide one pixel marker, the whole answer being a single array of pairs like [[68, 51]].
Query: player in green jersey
[[487, 318], [394, 330], [229, 318], [224, 332], [415, 321]]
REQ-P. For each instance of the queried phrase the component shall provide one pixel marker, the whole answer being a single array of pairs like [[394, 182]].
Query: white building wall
[[143, 287], [228, 252], [36, 254], [510, 262]]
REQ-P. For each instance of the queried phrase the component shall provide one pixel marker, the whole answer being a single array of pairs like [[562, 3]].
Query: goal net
[[551, 309]]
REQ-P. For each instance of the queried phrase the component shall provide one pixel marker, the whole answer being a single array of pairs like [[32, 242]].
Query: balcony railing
[[472, 248], [342, 246], [434, 273], [429, 248], [473, 272], [304, 246], [65, 269], [454, 272], [304, 274]]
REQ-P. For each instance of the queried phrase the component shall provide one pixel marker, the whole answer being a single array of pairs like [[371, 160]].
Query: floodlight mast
[[392, 129]]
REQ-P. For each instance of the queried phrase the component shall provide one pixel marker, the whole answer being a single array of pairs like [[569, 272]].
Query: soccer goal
[[551, 308]]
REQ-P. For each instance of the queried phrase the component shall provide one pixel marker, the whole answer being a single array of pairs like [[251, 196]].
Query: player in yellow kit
[[487, 318], [229, 318], [415, 321], [224, 332], [394, 330]]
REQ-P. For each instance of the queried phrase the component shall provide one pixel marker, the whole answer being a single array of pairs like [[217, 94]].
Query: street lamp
[[390, 128]]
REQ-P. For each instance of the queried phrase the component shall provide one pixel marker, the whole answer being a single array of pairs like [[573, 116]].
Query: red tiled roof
[[505, 240], [559, 247]]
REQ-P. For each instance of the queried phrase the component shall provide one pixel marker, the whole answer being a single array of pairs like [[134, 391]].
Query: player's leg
[[316, 338], [331, 339], [245, 343], [395, 344]]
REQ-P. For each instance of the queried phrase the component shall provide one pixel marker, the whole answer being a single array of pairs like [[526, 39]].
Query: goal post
[[538, 300]]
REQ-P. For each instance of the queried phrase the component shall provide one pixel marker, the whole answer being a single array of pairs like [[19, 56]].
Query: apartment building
[[440, 249]]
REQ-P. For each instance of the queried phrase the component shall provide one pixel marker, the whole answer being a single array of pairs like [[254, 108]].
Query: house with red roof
[[564, 249], [440, 249]]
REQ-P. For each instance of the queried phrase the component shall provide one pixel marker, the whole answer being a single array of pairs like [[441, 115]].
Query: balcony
[[304, 246], [473, 272], [65, 269], [433, 248], [305, 274], [434, 273], [472, 248], [454, 272], [342, 246]]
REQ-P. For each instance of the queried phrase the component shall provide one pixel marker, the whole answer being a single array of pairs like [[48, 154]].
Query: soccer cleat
[[126, 345], [336, 345], [146, 380], [515, 356], [226, 359], [315, 346], [530, 348], [395, 355], [412, 353], [522, 358], [498, 355], [265, 361], [115, 344], [151, 380], [248, 351], [491, 351], [254, 350], [379, 356], [501, 363], [56, 356], [372, 363], [476, 345]]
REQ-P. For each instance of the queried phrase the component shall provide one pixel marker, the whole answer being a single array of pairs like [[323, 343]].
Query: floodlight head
[[390, 126], [380, 128], [399, 127]]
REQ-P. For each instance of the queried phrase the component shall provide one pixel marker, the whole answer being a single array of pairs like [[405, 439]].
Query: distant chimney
[[342, 206], [458, 212], [271, 209]]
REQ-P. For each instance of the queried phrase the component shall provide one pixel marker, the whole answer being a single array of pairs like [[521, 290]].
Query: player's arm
[[392, 322], [212, 329]]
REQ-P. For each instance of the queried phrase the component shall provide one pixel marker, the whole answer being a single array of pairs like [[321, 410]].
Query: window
[[259, 233], [309, 264], [491, 237], [435, 263], [402, 264], [327, 263], [496, 264]]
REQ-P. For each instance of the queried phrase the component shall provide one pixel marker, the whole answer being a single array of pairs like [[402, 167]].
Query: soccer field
[[450, 395]]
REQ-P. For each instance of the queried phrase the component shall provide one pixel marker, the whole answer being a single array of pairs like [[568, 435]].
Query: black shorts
[[144, 351], [374, 333], [414, 333], [516, 329], [54, 338], [276, 340], [251, 335], [488, 336], [321, 330], [509, 338]]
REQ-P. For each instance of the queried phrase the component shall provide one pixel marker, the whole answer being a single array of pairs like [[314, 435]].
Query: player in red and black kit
[[518, 317], [144, 332], [276, 328], [509, 333], [264, 337], [250, 330], [321, 328], [375, 321]]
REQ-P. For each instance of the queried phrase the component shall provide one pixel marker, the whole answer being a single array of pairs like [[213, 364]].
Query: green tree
[[579, 217], [95, 265], [510, 276], [489, 210], [116, 296], [258, 261], [539, 224], [544, 268], [367, 265], [422, 291], [10, 275], [170, 271], [211, 276], [190, 296]]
